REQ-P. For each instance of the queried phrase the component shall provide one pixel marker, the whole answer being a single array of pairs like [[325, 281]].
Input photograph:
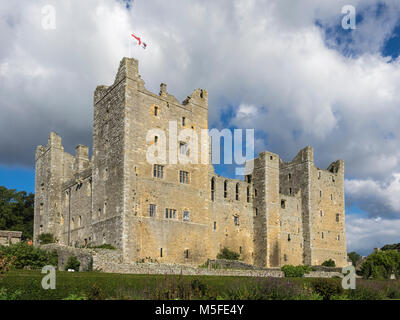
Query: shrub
[[96, 293], [74, 296], [26, 256], [72, 263], [5, 263], [381, 264], [354, 257], [7, 295], [327, 288], [46, 238], [329, 263], [227, 254], [295, 271]]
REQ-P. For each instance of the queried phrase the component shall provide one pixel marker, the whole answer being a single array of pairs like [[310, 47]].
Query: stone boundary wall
[[110, 261]]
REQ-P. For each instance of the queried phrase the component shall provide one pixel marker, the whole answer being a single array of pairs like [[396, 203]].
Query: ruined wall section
[[227, 231], [328, 215]]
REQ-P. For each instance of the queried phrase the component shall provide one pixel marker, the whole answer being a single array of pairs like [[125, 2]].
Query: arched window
[[225, 189], [212, 189], [248, 194], [237, 191]]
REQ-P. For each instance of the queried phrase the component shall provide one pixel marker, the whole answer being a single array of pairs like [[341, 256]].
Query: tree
[[381, 265], [16, 211], [354, 257]]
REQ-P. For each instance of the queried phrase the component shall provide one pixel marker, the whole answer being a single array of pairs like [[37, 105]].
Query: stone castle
[[282, 213]]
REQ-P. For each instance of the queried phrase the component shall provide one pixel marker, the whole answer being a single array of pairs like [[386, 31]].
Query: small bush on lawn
[[295, 271], [227, 254], [46, 238], [27, 256], [327, 288], [72, 263], [329, 263]]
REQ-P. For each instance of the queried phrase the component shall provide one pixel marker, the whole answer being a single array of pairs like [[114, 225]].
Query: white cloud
[[378, 199], [365, 234]]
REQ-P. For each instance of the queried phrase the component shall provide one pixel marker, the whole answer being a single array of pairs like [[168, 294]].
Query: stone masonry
[[282, 213]]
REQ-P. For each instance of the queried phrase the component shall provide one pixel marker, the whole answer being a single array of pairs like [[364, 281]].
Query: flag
[[142, 44]]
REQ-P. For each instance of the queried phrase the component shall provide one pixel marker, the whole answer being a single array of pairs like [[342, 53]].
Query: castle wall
[[117, 199], [225, 207], [291, 230]]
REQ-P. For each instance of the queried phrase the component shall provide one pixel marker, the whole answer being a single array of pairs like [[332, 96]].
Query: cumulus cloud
[[364, 234], [378, 199]]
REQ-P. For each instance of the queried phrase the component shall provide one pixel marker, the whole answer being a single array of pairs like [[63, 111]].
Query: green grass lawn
[[26, 285]]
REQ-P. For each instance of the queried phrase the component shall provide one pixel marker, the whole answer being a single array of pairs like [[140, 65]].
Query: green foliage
[[395, 246], [72, 263], [80, 285], [381, 265], [46, 238], [227, 254], [327, 288], [354, 257], [26, 256], [74, 296], [6, 294], [5, 263], [16, 211], [329, 263], [295, 271]]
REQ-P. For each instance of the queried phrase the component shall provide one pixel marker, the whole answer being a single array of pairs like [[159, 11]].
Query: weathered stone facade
[[272, 218], [9, 237]]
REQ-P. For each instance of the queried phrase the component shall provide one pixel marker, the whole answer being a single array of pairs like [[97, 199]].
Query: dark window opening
[[248, 194], [237, 191], [212, 189], [236, 220], [283, 204], [158, 171], [187, 254], [156, 111], [161, 252], [225, 189]]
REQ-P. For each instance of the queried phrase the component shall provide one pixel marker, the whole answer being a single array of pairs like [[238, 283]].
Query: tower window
[[225, 189], [248, 194], [290, 190], [322, 235], [155, 140], [161, 253], [152, 210], [215, 225], [289, 176], [155, 110], [212, 189], [237, 191], [183, 121], [158, 171], [187, 254], [183, 148], [183, 176], [337, 217], [236, 220], [288, 237], [283, 204]]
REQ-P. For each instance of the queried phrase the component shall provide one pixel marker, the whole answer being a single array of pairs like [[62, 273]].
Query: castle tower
[[48, 183], [267, 233]]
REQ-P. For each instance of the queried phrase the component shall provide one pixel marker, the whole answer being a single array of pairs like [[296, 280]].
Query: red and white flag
[[139, 41]]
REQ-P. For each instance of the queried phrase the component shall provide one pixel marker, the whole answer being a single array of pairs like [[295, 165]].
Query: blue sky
[[286, 69]]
